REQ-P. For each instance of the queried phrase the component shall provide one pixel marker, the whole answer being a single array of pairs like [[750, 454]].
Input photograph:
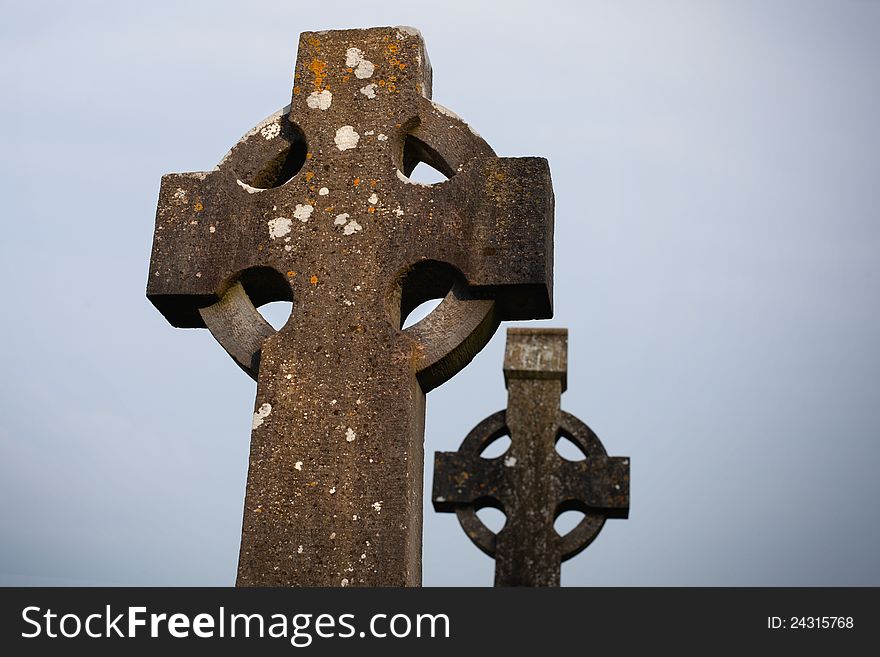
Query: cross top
[[531, 482], [314, 205]]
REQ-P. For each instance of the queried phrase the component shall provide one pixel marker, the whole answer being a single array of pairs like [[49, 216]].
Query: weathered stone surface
[[314, 206], [531, 483]]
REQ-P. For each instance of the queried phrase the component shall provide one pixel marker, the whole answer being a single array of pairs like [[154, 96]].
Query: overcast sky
[[716, 167]]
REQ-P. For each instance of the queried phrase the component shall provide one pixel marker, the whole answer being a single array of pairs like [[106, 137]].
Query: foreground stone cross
[[314, 205], [531, 483]]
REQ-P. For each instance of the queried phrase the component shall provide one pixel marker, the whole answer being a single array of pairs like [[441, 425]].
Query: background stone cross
[[531, 483], [314, 205]]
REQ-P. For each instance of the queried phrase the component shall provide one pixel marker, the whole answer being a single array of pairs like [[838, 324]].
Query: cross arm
[[599, 484], [499, 233], [200, 241], [461, 479]]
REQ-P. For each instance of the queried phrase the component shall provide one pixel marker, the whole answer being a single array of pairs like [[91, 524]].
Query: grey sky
[[717, 176]]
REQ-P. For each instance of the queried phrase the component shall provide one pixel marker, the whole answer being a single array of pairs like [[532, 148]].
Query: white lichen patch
[[180, 196], [299, 549], [445, 111], [408, 30], [344, 582], [353, 56], [270, 131], [279, 227], [382, 137], [212, 229], [320, 100], [377, 506], [323, 191], [408, 181], [350, 435], [373, 198], [298, 465], [303, 212], [261, 414], [398, 211], [510, 461], [264, 125], [369, 90], [248, 188], [452, 115], [363, 68], [333, 492], [346, 138], [352, 227]]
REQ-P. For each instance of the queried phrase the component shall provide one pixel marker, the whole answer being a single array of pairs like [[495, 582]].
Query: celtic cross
[[315, 206], [531, 483]]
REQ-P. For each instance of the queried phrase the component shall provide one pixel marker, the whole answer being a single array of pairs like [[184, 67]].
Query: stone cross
[[315, 206], [531, 483]]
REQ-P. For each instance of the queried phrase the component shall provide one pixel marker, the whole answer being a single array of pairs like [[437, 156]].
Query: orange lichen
[[345, 78], [402, 66], [329, 208], [198, 207], [357, 181], [381, 83], [308, 156], [317, 67], [296, 90], [291, 274], [390, 87], [314, 42], [392, 48], [310, 175], [313, 280], [371, 210], [372, 182]]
